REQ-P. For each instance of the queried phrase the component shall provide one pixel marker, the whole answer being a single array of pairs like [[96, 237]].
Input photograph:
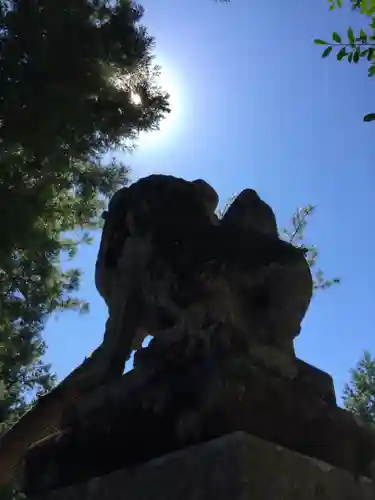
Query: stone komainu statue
[[168, 267], [224, 300]]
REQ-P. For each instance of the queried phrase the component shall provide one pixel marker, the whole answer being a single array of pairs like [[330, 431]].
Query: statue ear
[[207, 193], [248, 197], [249, 211]]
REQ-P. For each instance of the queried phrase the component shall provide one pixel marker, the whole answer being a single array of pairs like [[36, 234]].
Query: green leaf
[[356, 56], [320, 42], [369, 118], [371, 70], [327, 51], [341, 54], [351, 36], [336, 37], [350, 57], [370, 54], [367, 7], [363, 35]]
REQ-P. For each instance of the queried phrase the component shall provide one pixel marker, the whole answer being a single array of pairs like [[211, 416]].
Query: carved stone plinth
[[237, 466], [143, 417]]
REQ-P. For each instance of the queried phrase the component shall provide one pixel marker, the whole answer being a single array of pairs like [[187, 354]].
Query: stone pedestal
[[237, 466], [136, 420]]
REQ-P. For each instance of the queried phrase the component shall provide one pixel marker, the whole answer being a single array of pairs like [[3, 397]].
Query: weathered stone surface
[[196, 403], [236, 467], [168, 267]]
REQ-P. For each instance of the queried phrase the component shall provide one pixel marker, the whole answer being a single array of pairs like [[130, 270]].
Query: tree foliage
[[359, 394], [70, 70], [355, 46], [33, 284]]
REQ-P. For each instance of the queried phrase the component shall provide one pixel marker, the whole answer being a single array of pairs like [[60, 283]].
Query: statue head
[[249, 211]]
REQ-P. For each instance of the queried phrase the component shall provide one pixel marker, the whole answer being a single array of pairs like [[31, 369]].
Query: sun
[[169, 82], [135, 99]]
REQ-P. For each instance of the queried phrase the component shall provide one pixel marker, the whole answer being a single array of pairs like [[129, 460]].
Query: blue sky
[[256, 106]]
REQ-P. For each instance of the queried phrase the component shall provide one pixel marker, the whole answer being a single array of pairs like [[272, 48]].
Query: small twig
[[358, 44], [300, 224]]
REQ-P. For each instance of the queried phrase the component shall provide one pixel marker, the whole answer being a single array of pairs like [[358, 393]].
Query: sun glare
[[136, 99], [168, 127]]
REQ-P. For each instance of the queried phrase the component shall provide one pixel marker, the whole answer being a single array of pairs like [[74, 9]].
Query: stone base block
[[137, 420], [237, 466]]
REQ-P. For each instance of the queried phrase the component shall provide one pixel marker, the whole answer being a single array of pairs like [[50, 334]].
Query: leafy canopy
[[69, 72], [70, 69], [355, 47], [359, 394]]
